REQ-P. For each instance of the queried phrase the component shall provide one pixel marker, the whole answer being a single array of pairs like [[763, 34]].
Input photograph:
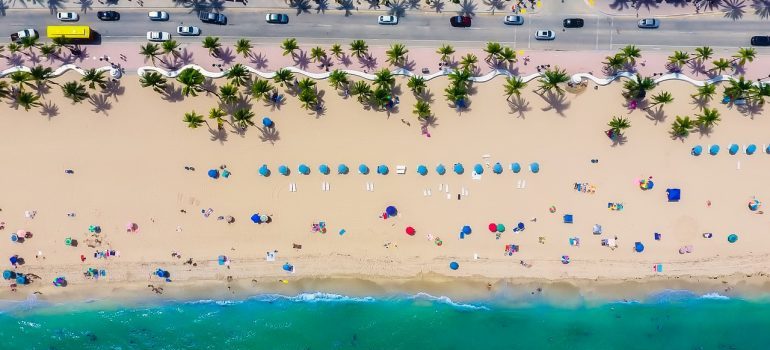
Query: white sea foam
[[715, 295], [313, 298], [446, 300]]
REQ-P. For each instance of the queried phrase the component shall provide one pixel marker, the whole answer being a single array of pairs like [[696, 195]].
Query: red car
[[460, 21]]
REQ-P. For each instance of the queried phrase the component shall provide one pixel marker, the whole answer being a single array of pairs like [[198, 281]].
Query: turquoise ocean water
[[670, 320]]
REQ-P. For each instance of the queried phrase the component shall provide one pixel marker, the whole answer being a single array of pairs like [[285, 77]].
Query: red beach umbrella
[[410, 231], [493, 227]]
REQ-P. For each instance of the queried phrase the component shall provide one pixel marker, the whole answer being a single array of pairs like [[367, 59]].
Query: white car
[[545, 35], [392, 20], [158, 16], [188, 31], [649, 23], [158, 36], [67, 16], [516, 20]]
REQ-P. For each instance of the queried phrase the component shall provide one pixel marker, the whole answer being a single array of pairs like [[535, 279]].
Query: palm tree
[[705, 92], [551, 79], [455, 93], [336, 50], [243, 47], [760, 91], [745, 54], [5, 89], [703, 53], [381, 96], [460, 77], [493, 49], [681, 127], [720, 65], [637, 89], [513, 86], [212, 44], [191, 80], [507, 55], [469, 61], [289, 46], [238, 75], [170, 47], [738, 89], [660, 99], [228, 94], [445, 51], [49, 51], [283, 76], [416, 84], [308, 98], [630, 53], [94, 77], [359, 48], [261, 88], [217, 114], [384, 78], [614, 63], [149, 50], [154, 79], [397, 54], [21, 78], [708, 119], [14, 48], [42, 75], [193, 120], [317, 54], [422, 110], [60, 42], [362, 90], [618, 124], [27, 100], [75, 91], [338, 78], [679, 58], [242, 118], [306, 84], [29, 43]]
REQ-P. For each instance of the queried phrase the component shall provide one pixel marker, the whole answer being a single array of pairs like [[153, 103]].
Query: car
[[158, 15], [649, 23], [67, 16], [108, 15], [158, 36], [460, 21], [545, 35], [760, 40], [24, 33], [213, 18], [277, 18], [573, 23], [388, 20], [515, 20], [188, 31]]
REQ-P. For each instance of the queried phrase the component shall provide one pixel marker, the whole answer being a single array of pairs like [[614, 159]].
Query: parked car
[[573, 23], [516, 20], [460, 21], [108, 15], [760, 40], [389, 20], [158, 15], [649, 23], [188, 31], [277, 18], [545, 35], [158, 36], [24, 33], [213, 18], [67, 16]]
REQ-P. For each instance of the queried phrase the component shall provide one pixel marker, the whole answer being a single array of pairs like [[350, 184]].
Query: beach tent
[[697, 150], [303, 169], [8, 274], [674, 194], [500, 228], [492, 227], [263, 218], [568, 218], [324, 169], [213, 173], [288, 267], [256, 218], [534, 167], [714, 150], [466, 230], [221, 260], [363, 169], [60, 282], [767, 149], [638, 247], [519, 227], [754, 204], [516, 167], [597, 229], [422, 170], [267, 122], [733, 149], [459, 170], [410, 230], [454, 265], [342, 169], [283, 170], [162, 273], [732, 238], [441, 169], [478, 169], [497, 168], [750, 149], [14, 259], [382, 169], [391, 211], [264, 171]]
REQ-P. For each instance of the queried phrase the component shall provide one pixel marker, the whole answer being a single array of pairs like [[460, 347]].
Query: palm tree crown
[[552, 79], [397, 54], [75, 91], [243, 47], [445, 51], [416, 84], [193, 120], [422, 110], [289, 46], [682, 126], [708, 119], [261, 88], [212, 44], [94, 77], [191, 80], [238, 75], [154, 79], [359, 48], [513, 86], [338, 78], [618, 124]]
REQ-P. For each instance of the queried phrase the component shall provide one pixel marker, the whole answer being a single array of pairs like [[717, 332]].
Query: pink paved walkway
[[651, 8]]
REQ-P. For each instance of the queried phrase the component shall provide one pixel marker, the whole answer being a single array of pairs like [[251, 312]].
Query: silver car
[[158, 36], [158, 16], [67, 16], [515, 20], [649, 23], [188, 31], [545, 35], [391, 20]]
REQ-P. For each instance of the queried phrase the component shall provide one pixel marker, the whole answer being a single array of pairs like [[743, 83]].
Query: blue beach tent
[[638, 247], [750, 149], [342, 169], [264, 171], [454, 265], [304, 169], [466, 230], [733, 149], [714, 150], [497, 168], [391, 211], [324, 169], [534, 167], [441, 169], [516, 167], [422, 170], [363, 169], [478, 169], [697, 150], [382, 169], [674, 194], [283, 170], [267, 122], [213, 173], [458, 168]]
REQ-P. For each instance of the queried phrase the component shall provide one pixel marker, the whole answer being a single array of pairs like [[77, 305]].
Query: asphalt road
[[418, 29]]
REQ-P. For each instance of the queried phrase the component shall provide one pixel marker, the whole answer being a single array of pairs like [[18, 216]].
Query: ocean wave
[[314, 297], [446, 300], [716, 296]]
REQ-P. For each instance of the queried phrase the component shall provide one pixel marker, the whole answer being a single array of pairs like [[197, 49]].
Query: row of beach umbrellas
[[383, 169], [733, 149]]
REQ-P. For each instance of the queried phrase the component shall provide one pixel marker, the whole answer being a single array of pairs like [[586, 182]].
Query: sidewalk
[[650, 8]]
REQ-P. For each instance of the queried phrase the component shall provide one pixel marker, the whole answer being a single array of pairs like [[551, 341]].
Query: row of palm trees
[[627, 56], [40, 78], [680, 128]]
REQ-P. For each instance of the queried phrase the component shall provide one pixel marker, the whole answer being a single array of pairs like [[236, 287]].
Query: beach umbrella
[[638, 247], [520, 226], [221, 259], [597, 229], [454, 265], [256, 219], [492, 227], [264, 171], [767, 149], [534, 167], [14, 259], [466, 230], [363, 169], [497, 168], [59, 281], [516, 167], [288, 267], [422, 170], [441, 169], [478, 169], [754, 205], [500, 228], [714, 150], [391, 210], [303, 169], [733, 149], [21, 279], [750, 149], [213, 173], [14, 237], [267, 122], [160, 273], [263, 218], [697, 150], [459, 170], [342, 169], [410, 231], [382, 169], [8, 274], [324, 169], [283, 170], [732, 238]]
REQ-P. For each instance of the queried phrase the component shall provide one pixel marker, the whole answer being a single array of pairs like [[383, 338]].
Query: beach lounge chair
[[401, 169], [708, 235]]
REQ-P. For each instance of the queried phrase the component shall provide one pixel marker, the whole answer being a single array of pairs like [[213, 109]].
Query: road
[[422, 29]]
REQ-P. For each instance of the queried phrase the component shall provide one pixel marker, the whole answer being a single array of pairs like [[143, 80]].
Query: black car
[[214, 18], [460, 21], [760, 40], [108, 15], [573, 23]]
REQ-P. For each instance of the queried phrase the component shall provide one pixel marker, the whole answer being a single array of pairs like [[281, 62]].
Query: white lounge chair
[[401, 169]]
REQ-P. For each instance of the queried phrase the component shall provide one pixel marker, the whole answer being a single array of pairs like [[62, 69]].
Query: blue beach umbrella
[[213, 173], [732, 238], [697, 150], [478, 169], [267, 122], [382, 169], [733, 149], [750, 149], [256, 219], [8, 274], [264, 171], [324, 169], [767, 149], [304, 169], [288, 267], [466, 230], [454, 265], [363, 169], [391, 210], [283, 170], [422, 170], [342, 169], [441, 169], [21, 279], [516, 167], [221, 259], [534, 167], [714, 150], [14, 259], [497, 168], [14, 237], [638, 247], [459, 170]]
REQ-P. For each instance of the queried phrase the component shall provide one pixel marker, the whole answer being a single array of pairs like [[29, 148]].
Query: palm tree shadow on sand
[[301, 60], [173, 93], [734, 9], [657, 114], [519, 106], [751, 109], [269, 135], [101, 103], [49, 109], [619, 140], [259, 61], [557, 102], [218, 135]]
